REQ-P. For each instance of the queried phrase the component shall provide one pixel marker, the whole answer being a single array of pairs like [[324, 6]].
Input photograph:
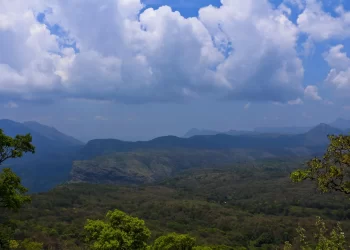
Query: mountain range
[[315, 138], [339, 123], [60, 158], [120, 162]]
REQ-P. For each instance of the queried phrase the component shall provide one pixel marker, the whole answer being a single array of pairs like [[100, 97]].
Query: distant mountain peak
[[323, 125], [37, 130], [325, 128], [318, 135], [39, 125], [36, 123], [51, 132], [7, 121], [321, 131]]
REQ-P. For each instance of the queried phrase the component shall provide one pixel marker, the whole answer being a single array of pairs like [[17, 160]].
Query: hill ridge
[[317, 136]]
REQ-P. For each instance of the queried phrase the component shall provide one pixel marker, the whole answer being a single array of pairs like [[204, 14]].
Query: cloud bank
[[120, 50]]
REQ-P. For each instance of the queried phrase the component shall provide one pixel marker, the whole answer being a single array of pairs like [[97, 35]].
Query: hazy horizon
[[150, 137]]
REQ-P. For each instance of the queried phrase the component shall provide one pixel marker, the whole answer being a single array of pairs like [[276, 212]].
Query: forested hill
[[119, 162], [314, 140]]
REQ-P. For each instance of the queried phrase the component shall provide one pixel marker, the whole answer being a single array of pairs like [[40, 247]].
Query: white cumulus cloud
[[339, 75], [263, 64], [311, 92], [241, 50], [321, 25]]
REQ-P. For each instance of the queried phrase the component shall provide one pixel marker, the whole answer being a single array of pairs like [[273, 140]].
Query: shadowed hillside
[[52, 161], [52, 133]]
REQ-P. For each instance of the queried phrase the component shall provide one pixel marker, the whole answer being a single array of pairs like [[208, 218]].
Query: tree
[[11, 148], [7, 229], [202, 248], [12, 193], [332, 171], [26, 244], [174, 241], [324, 239], [119, 232]]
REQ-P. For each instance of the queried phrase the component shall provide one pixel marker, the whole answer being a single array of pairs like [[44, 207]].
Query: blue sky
[[137, 70]]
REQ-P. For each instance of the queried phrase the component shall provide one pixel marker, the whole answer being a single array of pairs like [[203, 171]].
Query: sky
[[135, 70]]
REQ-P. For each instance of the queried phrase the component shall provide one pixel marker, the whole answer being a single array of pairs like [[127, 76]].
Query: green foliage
[[119, 232], [325, 239], [11, 148], [13, 244], [332, 172], [150, 166], [202, 248], [28, 244], [265, 238], [174, 241], [146, 166], [287, 246], [6, 234], [218, 247], [12, 193], [240, 206]]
